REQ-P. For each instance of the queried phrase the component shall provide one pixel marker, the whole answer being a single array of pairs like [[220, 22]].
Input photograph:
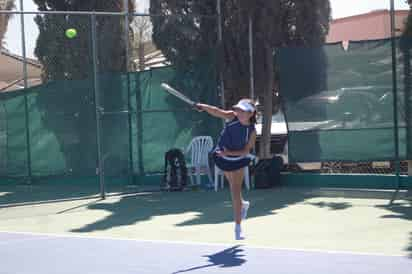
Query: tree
[[407, 32], [4, 18], [65, 59], [69, 108], [185, 32], [284, 24], [141, 36]]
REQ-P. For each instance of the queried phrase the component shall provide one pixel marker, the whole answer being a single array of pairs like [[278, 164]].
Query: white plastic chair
[[199, 149], [221, 180]]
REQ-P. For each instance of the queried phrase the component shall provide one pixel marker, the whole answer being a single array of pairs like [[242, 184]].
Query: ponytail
[[253, 119]]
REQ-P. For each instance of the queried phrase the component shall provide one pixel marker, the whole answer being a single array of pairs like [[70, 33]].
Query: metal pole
[[395, 101], [252, 73], [139, 124], [220, 48], [129, 105], [26, 106], [100, 167], [61, 12], [98, 13]]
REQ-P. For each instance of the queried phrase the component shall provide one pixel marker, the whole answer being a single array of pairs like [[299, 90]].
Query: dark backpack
[[267, 172], [175, 172]]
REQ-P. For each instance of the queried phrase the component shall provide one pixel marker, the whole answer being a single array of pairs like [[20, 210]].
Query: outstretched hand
[[198, 107]]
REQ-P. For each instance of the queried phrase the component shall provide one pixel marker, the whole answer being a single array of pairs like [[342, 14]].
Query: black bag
[[175, 172], [267, 172]]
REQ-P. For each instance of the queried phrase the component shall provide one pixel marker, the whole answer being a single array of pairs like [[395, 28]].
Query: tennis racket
[[178, 94]]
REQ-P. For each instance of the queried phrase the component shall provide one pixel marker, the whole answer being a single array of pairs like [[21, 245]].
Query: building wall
[[369, 26]]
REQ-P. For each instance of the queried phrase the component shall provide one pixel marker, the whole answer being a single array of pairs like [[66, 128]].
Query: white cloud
[[344, 8]]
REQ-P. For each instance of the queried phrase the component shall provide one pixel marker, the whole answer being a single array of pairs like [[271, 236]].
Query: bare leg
[[235, 179]]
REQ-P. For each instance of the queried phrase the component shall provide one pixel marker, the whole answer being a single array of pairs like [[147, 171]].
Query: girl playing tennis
[[232, 152]]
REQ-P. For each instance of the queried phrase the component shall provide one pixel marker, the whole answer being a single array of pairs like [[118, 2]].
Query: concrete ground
[[358, 221]]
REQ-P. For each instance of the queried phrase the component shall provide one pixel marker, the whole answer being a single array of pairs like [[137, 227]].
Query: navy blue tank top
[[234, 135]]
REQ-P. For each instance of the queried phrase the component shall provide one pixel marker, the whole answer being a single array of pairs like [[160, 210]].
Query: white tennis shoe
[[239, 234]]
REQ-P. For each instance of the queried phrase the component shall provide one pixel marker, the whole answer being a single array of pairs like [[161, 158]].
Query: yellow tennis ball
[[71, 33]]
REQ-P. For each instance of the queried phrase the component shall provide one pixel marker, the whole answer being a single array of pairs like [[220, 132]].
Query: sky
[[340, 8], [344, 8], [13, 35]]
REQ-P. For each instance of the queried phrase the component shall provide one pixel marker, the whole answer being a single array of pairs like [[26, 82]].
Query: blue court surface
[[46, 254]]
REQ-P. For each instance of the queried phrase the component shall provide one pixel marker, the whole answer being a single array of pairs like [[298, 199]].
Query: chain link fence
[[91, 106]]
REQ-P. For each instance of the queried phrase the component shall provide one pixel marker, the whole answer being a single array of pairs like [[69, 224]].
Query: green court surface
[[326, 219]]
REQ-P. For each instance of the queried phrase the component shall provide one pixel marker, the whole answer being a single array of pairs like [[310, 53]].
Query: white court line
[[10, 242], [205, 244]]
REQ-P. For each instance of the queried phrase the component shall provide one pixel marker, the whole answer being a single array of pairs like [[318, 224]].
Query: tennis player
[[232, 152]]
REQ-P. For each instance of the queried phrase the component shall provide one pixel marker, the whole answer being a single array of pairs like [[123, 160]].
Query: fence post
[[395, 101], [98, 110], [251, 60], [129, 106], [26, 106], [220, 49]]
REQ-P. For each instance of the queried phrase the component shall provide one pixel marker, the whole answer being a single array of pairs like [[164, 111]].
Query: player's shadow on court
[[230, 257]]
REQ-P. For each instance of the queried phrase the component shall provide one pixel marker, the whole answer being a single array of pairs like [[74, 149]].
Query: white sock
[[245, 207], [238, 232]]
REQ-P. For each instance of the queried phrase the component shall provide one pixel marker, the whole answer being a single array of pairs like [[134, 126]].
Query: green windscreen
[[62, 124], [103, 88], [339, 104]]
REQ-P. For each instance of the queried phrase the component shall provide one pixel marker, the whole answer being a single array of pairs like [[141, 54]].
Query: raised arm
[[216, 112]]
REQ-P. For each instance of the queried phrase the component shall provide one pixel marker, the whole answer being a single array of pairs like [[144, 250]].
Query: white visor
[[245, 105]]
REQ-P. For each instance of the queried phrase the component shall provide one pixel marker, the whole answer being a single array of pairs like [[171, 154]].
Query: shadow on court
[[58, 190], [230, 257], [332, 205], [15, 194], [402, 210], [211, 207], [409, 249]]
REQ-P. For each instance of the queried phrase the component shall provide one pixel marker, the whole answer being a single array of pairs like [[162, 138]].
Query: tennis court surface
[[46, 254], [288, 230]]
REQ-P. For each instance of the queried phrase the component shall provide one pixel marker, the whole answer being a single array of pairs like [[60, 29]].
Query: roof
[[33, 62], [152, 58], [368, 26], [11, 71], [370, 14]]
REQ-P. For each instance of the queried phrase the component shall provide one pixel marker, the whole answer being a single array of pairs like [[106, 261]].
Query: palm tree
[[4, 18]]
